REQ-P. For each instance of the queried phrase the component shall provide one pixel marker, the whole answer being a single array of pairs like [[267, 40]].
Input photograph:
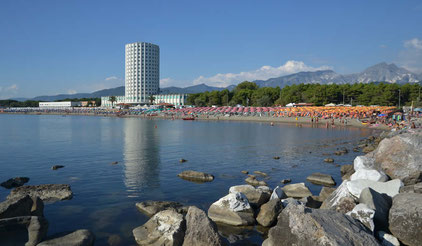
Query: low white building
[[66, 104], [106, 103], [175, 99]]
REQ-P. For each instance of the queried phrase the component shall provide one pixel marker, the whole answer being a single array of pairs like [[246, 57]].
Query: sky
[[48, 47]]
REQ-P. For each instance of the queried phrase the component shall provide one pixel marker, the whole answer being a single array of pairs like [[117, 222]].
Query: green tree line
[[32, 103], [249, 94]]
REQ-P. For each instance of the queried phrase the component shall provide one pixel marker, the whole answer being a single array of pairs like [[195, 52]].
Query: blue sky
[[55, 46]]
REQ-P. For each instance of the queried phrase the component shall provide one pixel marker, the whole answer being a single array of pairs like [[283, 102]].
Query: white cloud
[[413, 43], [263, 73], [71, 91], [112, 78], [9, 91], [383, 46]]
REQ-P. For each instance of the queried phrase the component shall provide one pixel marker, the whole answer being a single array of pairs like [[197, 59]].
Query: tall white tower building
[[142, 72]]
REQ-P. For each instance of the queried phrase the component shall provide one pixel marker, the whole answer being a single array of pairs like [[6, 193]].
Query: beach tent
[[418, 109], [330, 105]]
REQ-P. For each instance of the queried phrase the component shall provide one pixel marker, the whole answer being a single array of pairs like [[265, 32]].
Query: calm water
[[148, 152]]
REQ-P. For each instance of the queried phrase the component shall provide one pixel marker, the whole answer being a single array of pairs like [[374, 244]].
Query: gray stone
[[200, 230], [298, 225], [325, 192], [46, 192], [19, 206], [380, 203], [369, 148], [164, 228], [233, 209], [323, 179], [23, 230], [400, 157], [369, 174], [14, 182], [77, 238], [269, 212], [366, 162], [364, 214], [152, 207], [298, 190], [405, 218], [345, 169], [345, 205], [55, 167], [196, 176], [285, 181], [287, 201], [333, 199], [391, 188], [37, 207], [387, 239], [256, 196], [416, 188], [278, 193], [312, 201]]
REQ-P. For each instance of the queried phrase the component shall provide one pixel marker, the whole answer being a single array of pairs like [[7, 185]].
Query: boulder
[[369, 148], [391, 188], [256, 196], [233, 209], [269, 212], [380, 203], [311, 201], [152, 207], [200, 230], [77, 238], [416, 188], [333, 199], [46, 192], [14, 182], [325, 192], [278, 193], [366, 162], [19, 206], [400, 157], [345, 205], [405, 218], [298, 190], [37, 208], [387, 239], [287, 201], [164, 228], [364, 214], [23, 230], [322, 179], [297, 225], [369, 174], [345, 169], [196, 176]]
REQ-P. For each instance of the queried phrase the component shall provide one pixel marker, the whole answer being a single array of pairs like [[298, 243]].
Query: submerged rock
[[244, 172], [405, 218], [285, 181], [298, 225], [46, 192], [182, 160], [23, 230], [77, 238], [200, 230], [329, 160], [55, 167], [196, 176], [261, 173], [14, 182], [298, 190], [152, 207], [256, 196], [233, 209], [323, 179], [164, 228], [253, 181]]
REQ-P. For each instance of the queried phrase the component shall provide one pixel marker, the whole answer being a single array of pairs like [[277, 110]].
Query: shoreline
[[289, 120]]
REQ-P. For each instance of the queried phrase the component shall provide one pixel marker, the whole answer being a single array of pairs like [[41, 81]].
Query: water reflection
[[141, 156]]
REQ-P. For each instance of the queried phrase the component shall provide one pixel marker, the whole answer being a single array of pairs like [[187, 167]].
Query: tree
[[151, 99], [112, 100]]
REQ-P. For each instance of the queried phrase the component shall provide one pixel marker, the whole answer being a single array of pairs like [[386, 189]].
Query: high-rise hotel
[[142, 72]]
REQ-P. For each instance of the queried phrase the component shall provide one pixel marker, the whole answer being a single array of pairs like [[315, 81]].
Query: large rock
[[322, 179], [256, 196], [366, 162], [325, 192], [334, 198], [200, 230], [14, 182], [345, 205], [196, 176], [152, 207], [23, 230], [164, 228], [369, 174], [233, 209], [46, 192], [380, 203], [346, 171], [278, 193], [364, 214], [400, 157], [269, 212], [391, 188], [19, 206], [77, 238], [405, 218], [298, 190], [387, 239], [298, 225], [416, 188], [312, 201]]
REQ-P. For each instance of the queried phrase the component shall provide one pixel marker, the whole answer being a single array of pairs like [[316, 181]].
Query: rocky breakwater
[[22, 220]]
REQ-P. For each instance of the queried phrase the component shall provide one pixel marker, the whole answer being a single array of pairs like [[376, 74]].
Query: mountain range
[[381, 72]]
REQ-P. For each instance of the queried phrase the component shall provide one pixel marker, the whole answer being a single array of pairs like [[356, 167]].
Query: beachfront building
[[142, 72], [106, 101], [175, 99], [66, 104]]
